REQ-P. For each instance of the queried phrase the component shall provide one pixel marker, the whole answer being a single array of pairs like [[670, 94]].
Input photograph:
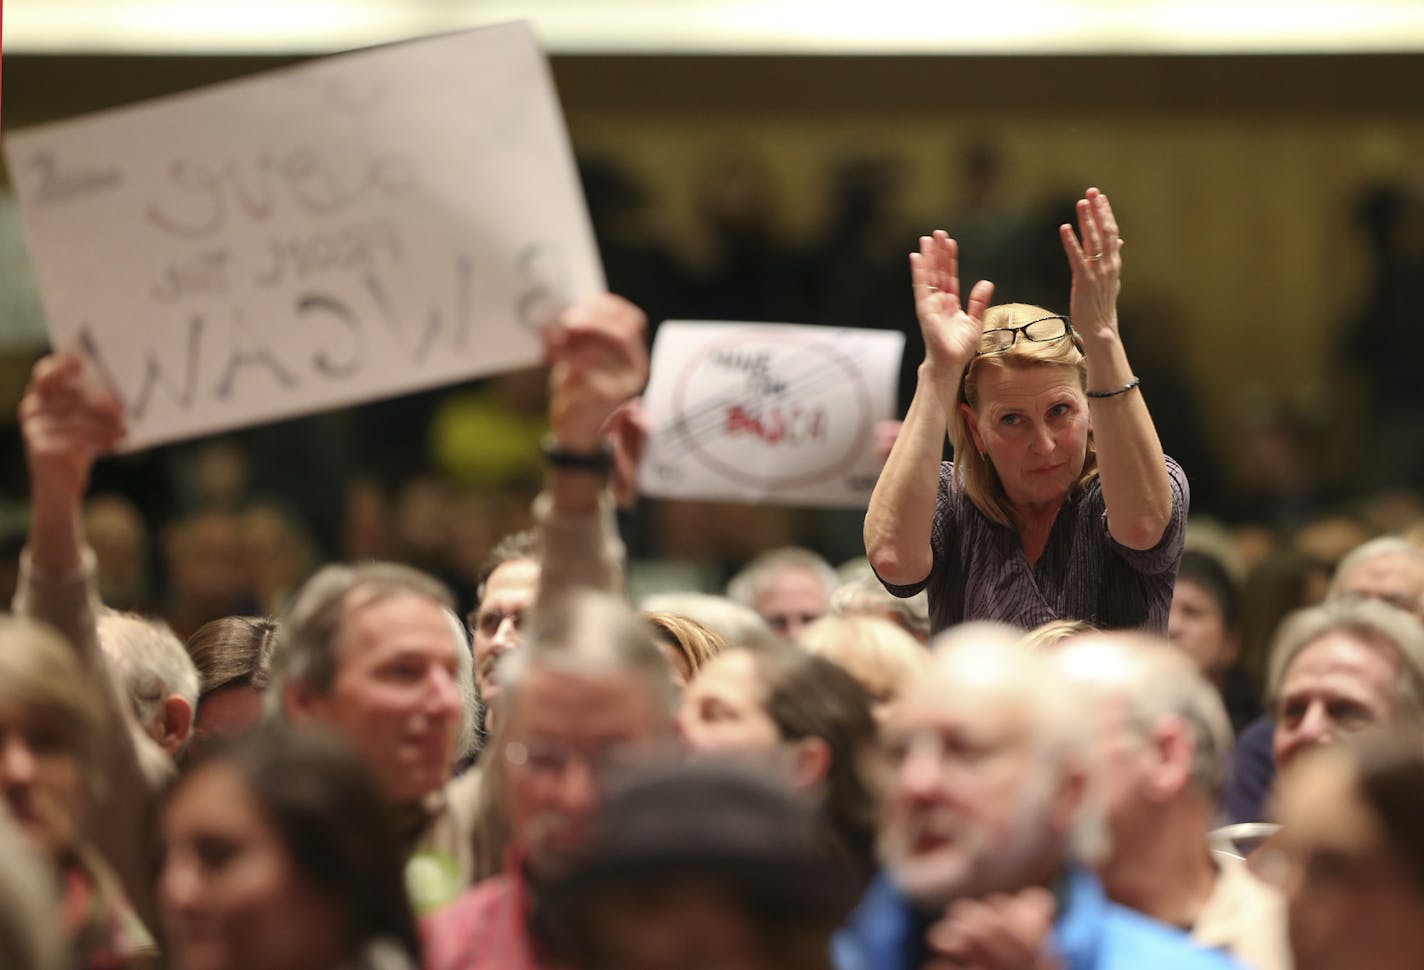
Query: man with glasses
[[588, 690], [1059, 503], [991, 825]]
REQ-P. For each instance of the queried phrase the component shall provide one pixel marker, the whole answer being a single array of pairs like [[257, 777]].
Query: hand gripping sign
[[350, 228], [778, 413]]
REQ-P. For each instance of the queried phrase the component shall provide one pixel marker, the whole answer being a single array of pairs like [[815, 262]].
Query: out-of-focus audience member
[[879, 654], [1163, 739], [1205, 624], [703, 865], [1337, 669], [278, 853], [1389, 569], [1414, 535], [1350, 854], [1342, 668], [990, 826], [119, 538], [686, 644], [1284, 581], [278, 554], [367, 652], [156, 675], [734, 623], [52, 722], [789, 588], [1328, 537], [206, 578], [806, 717], [30, 936], [588, 689], [508, 585], [867, 596], [233, 657], [1049, 635]]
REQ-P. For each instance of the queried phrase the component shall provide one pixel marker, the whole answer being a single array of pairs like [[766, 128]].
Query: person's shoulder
[[1177, 474], [874, 933], [454, 936], [470, 909], [1130, 939]]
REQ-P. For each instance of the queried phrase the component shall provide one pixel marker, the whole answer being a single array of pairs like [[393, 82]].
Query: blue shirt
[[1089, 933]]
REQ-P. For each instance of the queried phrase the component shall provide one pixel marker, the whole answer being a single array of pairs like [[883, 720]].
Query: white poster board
[[768, 412], [351, 228]]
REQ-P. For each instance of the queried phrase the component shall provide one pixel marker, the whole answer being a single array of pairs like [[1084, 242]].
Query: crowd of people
[[1003, 739]]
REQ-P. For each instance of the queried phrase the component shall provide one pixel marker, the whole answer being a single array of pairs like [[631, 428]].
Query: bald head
[[1387, 569], [992, 762]]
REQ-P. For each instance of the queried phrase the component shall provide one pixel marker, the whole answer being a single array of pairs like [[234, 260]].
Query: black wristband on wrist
[[598, 462], [1121, 390]]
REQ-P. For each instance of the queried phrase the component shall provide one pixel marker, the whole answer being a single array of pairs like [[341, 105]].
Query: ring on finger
[[1095, 257]]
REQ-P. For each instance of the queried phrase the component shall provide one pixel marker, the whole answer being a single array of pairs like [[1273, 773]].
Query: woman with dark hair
[[1205, 623], [1350, 854], [808, 716], [278, 855], [233, 656]]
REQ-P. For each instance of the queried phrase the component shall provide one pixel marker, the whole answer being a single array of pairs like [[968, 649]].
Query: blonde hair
[[877, 652], [40, 673], [1048, 636], [975, 472], [697, 643]]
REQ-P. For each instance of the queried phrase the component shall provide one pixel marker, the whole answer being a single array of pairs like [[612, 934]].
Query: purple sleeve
[[945, 506], [1167, 553]]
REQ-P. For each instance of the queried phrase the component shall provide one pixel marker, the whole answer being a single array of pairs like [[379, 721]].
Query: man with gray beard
[[990, 825]]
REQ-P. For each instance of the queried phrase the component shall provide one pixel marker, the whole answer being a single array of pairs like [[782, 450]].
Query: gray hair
[[735, 623], [149, 664], [1365, 551], [745, 585], [1058, 716], [588, 633], [1154, 680], [866, 594], [471, 735], [1374, 624], [305, 651]]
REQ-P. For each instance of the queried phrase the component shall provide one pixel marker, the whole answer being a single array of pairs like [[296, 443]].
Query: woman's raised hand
[[1095, 256], [951, 330]]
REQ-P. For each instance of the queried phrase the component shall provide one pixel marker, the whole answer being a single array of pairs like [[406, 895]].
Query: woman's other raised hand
[[1095, 257]]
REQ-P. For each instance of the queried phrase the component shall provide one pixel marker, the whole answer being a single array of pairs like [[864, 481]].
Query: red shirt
[[486, 928]]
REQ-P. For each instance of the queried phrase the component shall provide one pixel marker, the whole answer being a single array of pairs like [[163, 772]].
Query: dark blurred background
[[1272, 294]]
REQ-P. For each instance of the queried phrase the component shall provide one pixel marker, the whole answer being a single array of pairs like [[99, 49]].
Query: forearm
[[56, 543], [581, 546], [900, 519], [66, 599], [1131, 466]]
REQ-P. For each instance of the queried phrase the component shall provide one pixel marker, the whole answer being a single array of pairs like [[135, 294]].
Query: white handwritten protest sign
[[354, 227], [767, 412]]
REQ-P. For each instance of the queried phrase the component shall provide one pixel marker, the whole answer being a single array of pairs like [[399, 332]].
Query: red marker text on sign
[[776, 425]]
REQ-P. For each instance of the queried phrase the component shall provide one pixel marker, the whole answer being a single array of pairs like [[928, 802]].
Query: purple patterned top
[[980, 570]]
